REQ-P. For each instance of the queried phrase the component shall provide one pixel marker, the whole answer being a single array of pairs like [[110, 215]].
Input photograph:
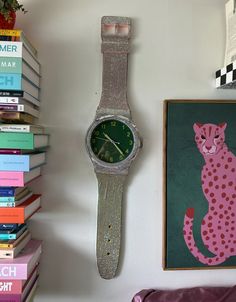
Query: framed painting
[[199, 184]]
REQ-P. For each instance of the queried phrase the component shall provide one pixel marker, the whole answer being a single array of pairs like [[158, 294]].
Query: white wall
[[177, 47]]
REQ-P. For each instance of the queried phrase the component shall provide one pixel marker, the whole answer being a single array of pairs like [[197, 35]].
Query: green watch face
[[112, 141]]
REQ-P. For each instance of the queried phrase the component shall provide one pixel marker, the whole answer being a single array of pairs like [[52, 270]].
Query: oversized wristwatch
[[112, 141]]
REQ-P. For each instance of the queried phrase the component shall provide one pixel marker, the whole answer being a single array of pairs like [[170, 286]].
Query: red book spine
[[10, 151]]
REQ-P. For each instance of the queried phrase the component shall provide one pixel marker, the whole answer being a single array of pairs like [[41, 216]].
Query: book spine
[[7, 236], [10, 215], [10, 298], [9, 38], [9, 100], [13, 271], [7, 199], [6, 192], [11, 140], [11, 179], [10, 32], [10, 287], [8, 226], [7, 205], [10, 65], [11, 107], [10, 49], [19, 117], [17, 163], [6, 254], [11, 81], [10, 151], [12, 93], [15, 128]]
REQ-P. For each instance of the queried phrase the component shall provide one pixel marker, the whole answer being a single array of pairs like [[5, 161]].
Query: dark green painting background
[[184, 165]]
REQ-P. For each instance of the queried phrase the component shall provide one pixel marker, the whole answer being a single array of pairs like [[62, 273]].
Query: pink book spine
[[10, 298], [10, 151], [10, 287], [13, 271], [11, 179]]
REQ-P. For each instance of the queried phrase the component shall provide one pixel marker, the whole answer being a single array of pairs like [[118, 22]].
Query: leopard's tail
[[190, 242]]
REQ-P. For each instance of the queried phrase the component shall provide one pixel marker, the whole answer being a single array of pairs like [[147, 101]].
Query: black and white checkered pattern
[[226, 76]]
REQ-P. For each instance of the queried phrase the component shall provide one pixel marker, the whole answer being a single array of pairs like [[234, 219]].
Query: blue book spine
[[11, 81], [19, 163], [8, 226], [7, 236], [7, 191], [7, 199]]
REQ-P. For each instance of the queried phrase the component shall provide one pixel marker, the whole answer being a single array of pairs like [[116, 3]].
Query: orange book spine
[[17, 214], [12, 215]]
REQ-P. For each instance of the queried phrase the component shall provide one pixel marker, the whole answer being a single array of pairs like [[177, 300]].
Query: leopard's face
[[209, 138]]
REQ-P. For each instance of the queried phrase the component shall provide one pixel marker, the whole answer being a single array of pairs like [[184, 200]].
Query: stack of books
[[23, 145]]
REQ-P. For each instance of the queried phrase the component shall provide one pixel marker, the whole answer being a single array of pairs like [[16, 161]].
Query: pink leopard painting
[[218, 178]]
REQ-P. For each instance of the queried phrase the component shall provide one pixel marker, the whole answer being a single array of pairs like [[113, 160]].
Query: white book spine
[[10, 49], [15, 128], [9, 100], [8, 204], [6, 254]]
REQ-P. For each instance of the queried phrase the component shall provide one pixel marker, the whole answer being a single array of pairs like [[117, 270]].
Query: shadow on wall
[[64, 271]]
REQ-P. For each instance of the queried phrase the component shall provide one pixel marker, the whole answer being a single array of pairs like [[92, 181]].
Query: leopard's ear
[[222, 126], [197, 126]]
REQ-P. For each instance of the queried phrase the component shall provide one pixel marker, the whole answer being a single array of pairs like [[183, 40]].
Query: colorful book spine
[[9, 100], [7, 204], [8, 226], [14, 179], [7, 199], [11, 93], [17, 163], [7, 237], [6, 191], [10, 65], [16, 140], [11, 49], [10, 287], [11, 298], [11, 81], [15, 81], [10, 151], [19, 214]]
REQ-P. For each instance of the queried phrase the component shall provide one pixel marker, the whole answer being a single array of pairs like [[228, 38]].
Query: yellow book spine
[[6, 246], [10, 32]]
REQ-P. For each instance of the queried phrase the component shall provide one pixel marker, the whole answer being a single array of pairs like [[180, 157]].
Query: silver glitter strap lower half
[[110, 192]]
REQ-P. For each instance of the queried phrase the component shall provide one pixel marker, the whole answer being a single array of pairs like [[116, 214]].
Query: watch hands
[[114, 143], [102, 147], [106, 140]]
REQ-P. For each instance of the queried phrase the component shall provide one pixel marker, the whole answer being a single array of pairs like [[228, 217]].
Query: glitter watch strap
[[110, 190], [115, 32]]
